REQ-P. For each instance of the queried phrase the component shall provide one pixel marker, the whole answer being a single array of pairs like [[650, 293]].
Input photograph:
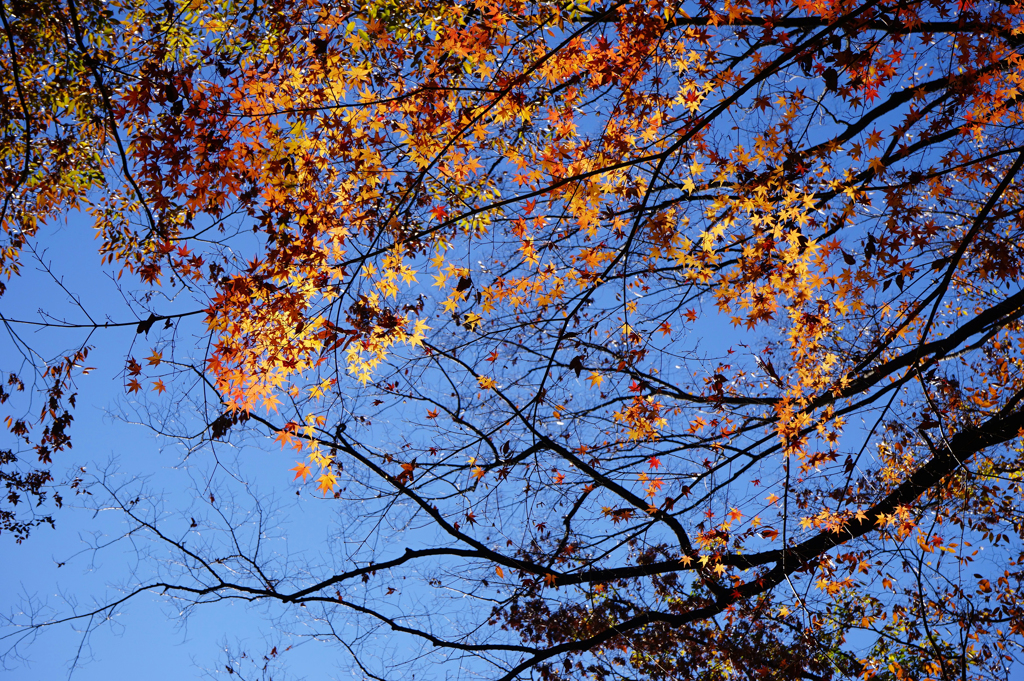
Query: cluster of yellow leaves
[[643, 417], [366, 354]]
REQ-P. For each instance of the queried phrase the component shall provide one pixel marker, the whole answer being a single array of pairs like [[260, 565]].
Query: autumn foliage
[[687, 336]]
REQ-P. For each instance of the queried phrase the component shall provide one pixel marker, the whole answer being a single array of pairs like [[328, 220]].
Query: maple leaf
[[155, 358], [134, 386], [285, 437], [326, 482], [595, 379], [301, 471], [159, 387], [270, 402]]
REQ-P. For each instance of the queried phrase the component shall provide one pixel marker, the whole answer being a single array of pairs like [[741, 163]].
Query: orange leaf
[[301, 471]]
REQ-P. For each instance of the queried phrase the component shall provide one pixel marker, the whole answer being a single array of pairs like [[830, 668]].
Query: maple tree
[[684, 337]]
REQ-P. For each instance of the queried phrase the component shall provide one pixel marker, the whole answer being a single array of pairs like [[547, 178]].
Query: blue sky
[[147, 635]]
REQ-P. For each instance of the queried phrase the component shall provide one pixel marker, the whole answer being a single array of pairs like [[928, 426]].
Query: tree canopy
[[661, 340]]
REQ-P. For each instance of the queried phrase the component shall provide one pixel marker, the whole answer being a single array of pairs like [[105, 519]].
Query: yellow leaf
[[326, 482], [420, 329], [595, 379], [499, 572]]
